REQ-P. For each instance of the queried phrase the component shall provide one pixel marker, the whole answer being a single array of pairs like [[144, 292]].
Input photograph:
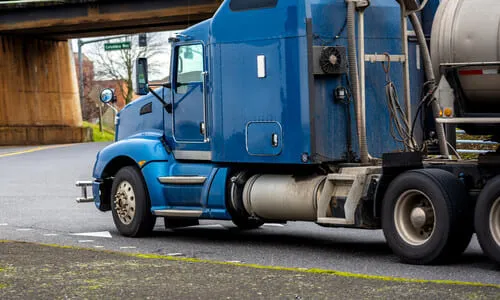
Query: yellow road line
[[34, 150], [276, 268]]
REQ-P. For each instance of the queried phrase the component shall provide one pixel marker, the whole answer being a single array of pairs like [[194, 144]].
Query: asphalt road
[[37, 204]]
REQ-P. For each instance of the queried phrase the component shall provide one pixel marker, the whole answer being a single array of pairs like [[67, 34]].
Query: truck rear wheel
[[487, 219], [426, 217], [130, 203]]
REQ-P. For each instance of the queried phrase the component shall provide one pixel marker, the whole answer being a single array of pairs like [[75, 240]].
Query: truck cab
[[265, 118]]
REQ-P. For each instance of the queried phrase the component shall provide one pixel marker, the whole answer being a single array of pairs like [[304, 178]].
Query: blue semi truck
[[327, 111]]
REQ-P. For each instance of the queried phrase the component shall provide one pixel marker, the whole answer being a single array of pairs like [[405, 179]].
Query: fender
[[141, 148]]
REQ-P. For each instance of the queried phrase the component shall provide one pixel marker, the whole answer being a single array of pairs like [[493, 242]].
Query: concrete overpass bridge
[[39, 100]]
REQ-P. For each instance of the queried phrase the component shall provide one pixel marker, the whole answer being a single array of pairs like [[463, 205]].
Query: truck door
[[189, 119]]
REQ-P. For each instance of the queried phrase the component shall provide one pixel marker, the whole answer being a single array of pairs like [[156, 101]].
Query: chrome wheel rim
[[415, 217], [125, 202], [495, 221]]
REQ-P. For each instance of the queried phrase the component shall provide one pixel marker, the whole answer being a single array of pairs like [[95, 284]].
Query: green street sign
[[117, 46]]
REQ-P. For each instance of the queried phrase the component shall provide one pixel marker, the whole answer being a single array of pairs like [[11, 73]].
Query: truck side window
[[189, 64], [239, 5]]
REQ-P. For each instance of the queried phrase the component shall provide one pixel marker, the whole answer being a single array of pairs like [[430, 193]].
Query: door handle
[[203, 128], [274, 140]]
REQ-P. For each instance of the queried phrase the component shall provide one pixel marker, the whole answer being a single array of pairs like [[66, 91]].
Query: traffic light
[[143, 40]]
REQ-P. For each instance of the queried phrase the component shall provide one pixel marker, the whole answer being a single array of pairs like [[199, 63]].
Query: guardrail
[[474, 142]]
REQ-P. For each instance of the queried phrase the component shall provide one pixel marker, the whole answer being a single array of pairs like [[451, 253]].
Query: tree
[[119, 64]]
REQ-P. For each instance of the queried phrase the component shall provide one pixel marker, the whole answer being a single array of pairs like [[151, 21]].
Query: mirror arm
[[166, 106], [112, 107]]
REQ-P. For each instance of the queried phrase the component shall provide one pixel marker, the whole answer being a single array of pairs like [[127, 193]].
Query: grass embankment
[[107, 135], [464, 136]]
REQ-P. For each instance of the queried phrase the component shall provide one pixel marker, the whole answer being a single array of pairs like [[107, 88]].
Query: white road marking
[[128, 247], [86, 241], [274, 225], [98, 246], [175, 254], [234, 261], [24, 229], [51, 234], [3, 224], [210, 226], [103, 234]]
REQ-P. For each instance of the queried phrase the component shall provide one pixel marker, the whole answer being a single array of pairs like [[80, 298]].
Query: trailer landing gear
[[425, 216], [487, 219]]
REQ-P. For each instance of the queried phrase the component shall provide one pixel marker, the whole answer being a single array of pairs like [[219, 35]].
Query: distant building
[[91, 111]]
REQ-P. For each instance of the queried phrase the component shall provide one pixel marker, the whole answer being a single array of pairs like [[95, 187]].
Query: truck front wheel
[[426, 216], [487, 219], [130, 203]]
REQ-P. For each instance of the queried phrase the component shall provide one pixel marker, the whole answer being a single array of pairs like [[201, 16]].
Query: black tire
[[172, 223], [452, 223], [139, 221], [485, 221], [247, 223]]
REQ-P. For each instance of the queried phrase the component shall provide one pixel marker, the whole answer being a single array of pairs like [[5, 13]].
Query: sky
[[163, 57]]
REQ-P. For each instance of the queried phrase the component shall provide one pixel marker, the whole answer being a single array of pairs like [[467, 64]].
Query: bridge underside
[[80, 18], [39, 100]]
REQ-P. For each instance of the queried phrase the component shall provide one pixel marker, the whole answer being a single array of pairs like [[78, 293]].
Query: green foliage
[[472, 156], [106, 135]]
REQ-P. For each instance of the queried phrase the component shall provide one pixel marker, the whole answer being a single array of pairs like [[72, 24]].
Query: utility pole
[[80, 70]]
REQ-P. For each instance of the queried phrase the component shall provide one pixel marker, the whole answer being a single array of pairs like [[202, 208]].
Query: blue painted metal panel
[[217, 194], [210, 196], [188, 113], [132, 122], [240, 97], [145, 146], [382, 34], [167, 196]]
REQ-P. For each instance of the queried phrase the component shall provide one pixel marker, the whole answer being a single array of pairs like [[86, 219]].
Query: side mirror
[[107, 96], [141, 76]]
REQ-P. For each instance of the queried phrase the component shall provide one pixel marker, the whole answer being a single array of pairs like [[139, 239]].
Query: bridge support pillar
[[39, 102]]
